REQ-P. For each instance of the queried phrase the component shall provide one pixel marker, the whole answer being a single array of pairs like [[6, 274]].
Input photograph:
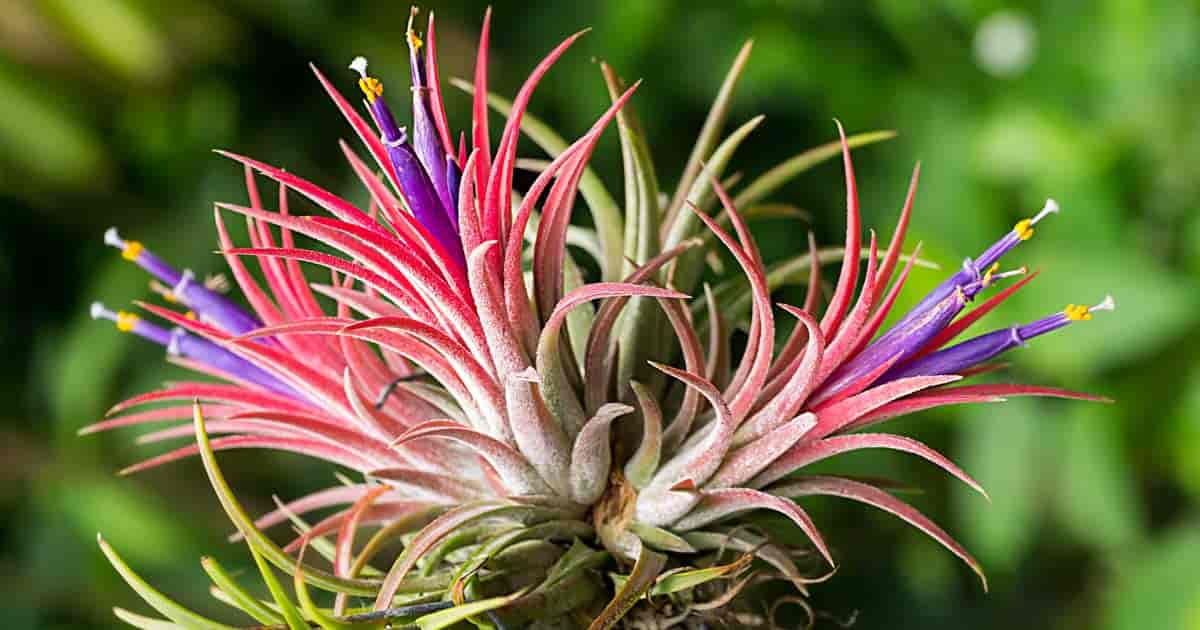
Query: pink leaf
[[429, 486], [837, 415], [747, 461], [800, 382], [591, 457], [811, 452], [849, 277], [319, 449], [718, 504], [866, 493], [519, 477]]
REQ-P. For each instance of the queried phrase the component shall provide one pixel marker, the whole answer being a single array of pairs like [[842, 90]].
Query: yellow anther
[[1024, 229], [371, 87], [414, 40], [131, 250], [987, 275], [126, 321], [190, 315], [163, 290], [1077, 313]]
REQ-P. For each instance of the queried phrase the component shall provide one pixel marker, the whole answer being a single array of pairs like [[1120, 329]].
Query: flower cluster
[[490, 398]]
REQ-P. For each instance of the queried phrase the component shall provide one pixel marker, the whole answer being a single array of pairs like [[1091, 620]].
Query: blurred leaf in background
[[108, 109]]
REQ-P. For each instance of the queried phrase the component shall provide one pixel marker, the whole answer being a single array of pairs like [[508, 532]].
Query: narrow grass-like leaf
[[770, 181], [647, 568], [316, 614], [687, 580], [163, 604], [463, 612], [143, 622], [709, 133], [291, 614], [257, 540], [238, 595]]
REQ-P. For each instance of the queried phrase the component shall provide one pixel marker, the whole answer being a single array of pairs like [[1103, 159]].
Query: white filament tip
[[359, 65], [1107, 305], [98, 311], [113, 238], [1051, 207]]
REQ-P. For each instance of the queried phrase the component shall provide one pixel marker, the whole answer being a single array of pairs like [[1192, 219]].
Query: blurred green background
[[108, 109]]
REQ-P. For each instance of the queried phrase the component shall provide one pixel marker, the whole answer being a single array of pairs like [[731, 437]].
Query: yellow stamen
[[414, 41], [1077, 313], [164, 291], [371, 87], [987, 276], [126, 321], [131, 250], [1024, 229], [190, 315]]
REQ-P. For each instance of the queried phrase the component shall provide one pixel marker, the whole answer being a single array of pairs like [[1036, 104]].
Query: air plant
[[553, 442]]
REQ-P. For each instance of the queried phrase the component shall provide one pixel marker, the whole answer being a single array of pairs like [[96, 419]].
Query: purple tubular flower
[[417, 186], [962, 356], [425, 138], [937, 309], [179, 343], [209, 305], [972, 272], [901, 340], [453, 180]]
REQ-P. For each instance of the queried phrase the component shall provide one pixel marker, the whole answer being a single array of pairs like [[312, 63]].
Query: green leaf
[[550, 531], [145, 623], [291, 615], [261, 544], [688, 267], [579, 320], [450, 616], [640, 325], [316, 614], [239, 596], [647, 568], [163, 604], [710, 132], [578, 557], [687, 580], [770, 181], [660, 539]]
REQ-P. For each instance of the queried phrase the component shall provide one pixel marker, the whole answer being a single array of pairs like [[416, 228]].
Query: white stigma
[[98, 311], [1051, 207], [1107, 305], [113, 238], [359, 65]]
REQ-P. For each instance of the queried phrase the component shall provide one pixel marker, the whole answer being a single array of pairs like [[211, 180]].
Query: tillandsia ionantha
[[553, 442]]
